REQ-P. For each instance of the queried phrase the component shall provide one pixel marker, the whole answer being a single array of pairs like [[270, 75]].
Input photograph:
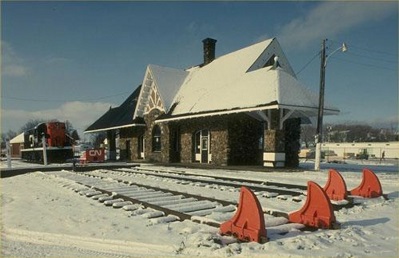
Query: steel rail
[[232, 182]]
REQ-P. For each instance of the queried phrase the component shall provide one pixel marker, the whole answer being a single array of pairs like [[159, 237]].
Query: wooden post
[[8, 153]]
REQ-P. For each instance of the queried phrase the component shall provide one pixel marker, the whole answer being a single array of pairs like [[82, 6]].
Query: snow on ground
[[42, 218]]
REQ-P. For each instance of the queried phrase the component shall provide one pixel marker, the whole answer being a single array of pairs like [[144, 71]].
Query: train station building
[[242, 108]]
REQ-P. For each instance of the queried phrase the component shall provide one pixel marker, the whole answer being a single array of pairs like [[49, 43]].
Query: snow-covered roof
[[258, 88], [18, 139], [168, 81], [257, 77], [242, 80]]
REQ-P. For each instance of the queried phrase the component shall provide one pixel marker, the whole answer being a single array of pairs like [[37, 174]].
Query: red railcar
[[58, 143]]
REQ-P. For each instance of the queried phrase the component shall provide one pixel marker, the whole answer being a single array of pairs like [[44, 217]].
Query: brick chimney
[[209, 50]]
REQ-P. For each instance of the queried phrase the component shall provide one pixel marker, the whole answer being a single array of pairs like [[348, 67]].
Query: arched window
[[156, 138]]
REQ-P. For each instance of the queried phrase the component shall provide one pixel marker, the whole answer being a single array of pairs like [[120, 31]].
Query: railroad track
[[269, 189], [266, 189], [161, 205], [157, 204], [125, 189], [176, 173]]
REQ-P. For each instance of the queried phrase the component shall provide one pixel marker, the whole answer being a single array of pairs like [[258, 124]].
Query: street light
[[319, 130]]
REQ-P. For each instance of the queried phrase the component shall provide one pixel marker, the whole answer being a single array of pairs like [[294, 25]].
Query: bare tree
[[98, 138], [307, 135], [31, 124], [7, 136]]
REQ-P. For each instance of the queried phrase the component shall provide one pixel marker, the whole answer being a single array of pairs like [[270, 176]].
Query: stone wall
[[274, 141], [219, 138], [220, 146], [131, 134], [235, 140], [245, 135], [156, 156], [187, 146]]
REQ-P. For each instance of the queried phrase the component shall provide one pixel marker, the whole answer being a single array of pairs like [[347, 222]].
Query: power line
[[364, 64], [365, 49], [308, 63], [374, 58], [62, 100], [368, 54]]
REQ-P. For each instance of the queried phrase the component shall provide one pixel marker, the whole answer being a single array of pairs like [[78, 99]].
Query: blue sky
[[72, 60]]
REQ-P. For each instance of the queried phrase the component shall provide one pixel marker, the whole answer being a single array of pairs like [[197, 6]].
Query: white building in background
[[373, 149]]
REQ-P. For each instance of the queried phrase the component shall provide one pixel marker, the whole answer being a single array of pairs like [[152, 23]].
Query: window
[[156, 138]]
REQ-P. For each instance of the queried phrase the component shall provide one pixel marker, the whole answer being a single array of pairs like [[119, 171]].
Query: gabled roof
[[254, 78], [241, 81], [168, 81], [119, 117], [165, 81], [18, 139]]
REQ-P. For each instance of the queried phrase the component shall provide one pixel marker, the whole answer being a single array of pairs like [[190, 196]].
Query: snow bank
[[42, 216]]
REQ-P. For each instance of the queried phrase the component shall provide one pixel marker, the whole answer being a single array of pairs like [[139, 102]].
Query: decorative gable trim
[[154, 101], [149, 97]]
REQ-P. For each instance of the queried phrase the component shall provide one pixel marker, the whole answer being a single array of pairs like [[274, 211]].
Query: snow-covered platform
[[19, 167]]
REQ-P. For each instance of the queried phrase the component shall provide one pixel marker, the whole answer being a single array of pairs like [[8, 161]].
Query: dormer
[[268, 58]]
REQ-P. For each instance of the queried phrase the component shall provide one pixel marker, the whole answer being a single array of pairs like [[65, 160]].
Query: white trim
[[273, 159], [275, 106], [274, 156], [145, 89], [112, 128], [48, 148]]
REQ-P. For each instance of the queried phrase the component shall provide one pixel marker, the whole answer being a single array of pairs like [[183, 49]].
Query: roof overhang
[[306, 111], [113, 128]]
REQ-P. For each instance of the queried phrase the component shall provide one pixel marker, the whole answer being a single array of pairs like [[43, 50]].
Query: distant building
[[17, 144], [243, 108], [347, 150]]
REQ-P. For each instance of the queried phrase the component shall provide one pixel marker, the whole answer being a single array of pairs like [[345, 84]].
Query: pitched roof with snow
[[168, 81], [119, 117], [244, 80], [18, 139], [165, 81]]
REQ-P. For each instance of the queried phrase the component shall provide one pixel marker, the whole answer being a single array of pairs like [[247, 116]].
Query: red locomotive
[[58, 143]]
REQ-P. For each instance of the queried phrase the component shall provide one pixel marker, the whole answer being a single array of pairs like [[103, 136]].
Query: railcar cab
[[33, 137]]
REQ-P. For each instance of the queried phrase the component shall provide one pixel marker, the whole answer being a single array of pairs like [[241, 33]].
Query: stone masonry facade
[[235, 139]]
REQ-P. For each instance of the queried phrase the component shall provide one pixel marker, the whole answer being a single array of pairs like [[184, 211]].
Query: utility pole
[[319, 129]]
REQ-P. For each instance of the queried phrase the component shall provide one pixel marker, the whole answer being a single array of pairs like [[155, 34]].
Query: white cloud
[[330, 18], [12, 64], [15, 70], [80, 114]]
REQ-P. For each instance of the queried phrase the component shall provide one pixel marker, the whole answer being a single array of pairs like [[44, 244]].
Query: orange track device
[[370, 187], [317, 211], [335, 187], [248, 223]]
